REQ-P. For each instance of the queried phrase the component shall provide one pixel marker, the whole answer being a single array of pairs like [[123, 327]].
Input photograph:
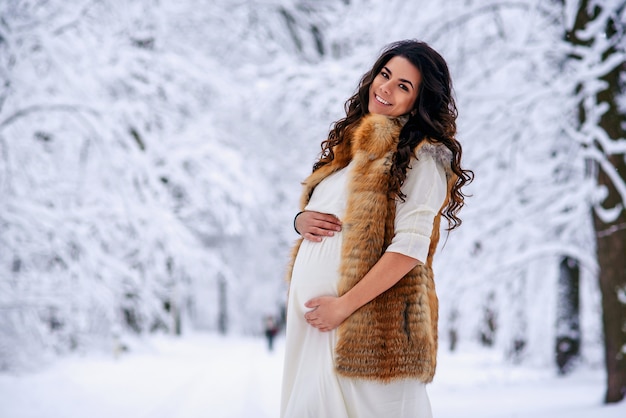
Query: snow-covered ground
[[215, 377]]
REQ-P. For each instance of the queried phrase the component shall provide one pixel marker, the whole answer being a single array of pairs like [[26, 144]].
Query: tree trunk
[[611, 236], [222, 315], [612, 260], [611, 247], [568, 315]]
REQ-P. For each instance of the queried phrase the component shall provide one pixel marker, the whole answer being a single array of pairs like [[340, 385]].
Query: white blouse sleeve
[[425, 188]]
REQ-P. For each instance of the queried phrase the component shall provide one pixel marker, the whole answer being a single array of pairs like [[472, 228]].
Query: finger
[[327, 217], [312, 303], [326, 224], [319, 228], [325, 328], [311, 237], [330, 231]]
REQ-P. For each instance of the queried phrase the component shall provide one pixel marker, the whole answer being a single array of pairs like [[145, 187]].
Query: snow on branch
[[28, 110], [616, 180], [596, 27], [474, 11]]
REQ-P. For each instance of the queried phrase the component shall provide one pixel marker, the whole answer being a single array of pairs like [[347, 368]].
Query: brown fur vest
[[395, 335]]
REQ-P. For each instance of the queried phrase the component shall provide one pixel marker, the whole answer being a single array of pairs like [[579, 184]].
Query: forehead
[[401, 67]]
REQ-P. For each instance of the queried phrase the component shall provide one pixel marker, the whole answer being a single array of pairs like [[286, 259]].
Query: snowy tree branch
[[44, 108], [465, 17]]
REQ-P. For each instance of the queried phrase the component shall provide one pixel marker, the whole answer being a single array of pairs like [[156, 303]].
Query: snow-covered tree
[[596, 33], [126, 198]]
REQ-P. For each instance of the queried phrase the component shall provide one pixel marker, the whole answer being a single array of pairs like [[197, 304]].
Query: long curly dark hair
[[433, 117]]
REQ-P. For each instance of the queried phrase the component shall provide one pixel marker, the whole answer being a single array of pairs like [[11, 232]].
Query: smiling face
[[394, 89]]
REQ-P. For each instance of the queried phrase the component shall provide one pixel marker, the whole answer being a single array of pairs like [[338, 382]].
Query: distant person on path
[[271, 329], [362, 309]]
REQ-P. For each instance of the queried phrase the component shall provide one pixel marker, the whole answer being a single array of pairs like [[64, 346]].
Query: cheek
[[408, 104], [412, 102], [372, 89]]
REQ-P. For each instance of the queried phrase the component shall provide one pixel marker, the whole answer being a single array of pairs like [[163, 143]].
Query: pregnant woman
[[362, 312]]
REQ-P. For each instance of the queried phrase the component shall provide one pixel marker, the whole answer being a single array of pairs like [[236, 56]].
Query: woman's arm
[[313, 226], [330, 311], [425, 188]]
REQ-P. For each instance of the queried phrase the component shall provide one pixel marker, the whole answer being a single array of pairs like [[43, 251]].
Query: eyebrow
[[402, 79]]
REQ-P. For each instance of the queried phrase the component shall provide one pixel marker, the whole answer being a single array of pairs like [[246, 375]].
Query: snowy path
[[211, 377]]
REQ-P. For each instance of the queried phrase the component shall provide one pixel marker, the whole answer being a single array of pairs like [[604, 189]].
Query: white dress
[[311, 388]]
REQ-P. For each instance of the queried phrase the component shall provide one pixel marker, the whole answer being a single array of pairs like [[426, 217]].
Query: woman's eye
[[384, 74], [404, 87]]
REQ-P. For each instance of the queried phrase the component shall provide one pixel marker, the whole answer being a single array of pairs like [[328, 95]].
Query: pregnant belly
[[315, 272]]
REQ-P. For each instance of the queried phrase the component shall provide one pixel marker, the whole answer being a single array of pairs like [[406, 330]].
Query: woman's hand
[[328, 312], [313, 226]]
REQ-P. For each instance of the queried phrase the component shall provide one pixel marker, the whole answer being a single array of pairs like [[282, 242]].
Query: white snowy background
[[150, 159]]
